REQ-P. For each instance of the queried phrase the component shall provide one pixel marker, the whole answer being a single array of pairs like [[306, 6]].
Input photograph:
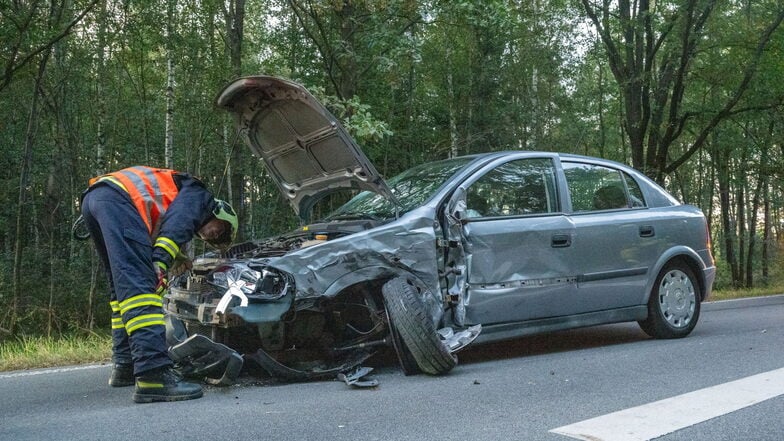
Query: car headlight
[[260, 283]]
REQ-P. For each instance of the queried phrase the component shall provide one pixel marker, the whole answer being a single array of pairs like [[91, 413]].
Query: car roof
[[655, 192]]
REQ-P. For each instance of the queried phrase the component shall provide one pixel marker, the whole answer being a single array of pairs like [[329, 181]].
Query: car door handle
[[561, 240], [647, 231]]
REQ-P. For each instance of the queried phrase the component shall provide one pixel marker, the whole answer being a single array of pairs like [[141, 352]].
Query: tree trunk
[[600, 111], [453, 138], [100, 144], [752, 230], [762, 182], [766, 236], [707, 202], [50, 219], [740, 215], [725, 207], [24, 176], [169, 130], [235, 24], [50, 305], [168, 151], [348, 18]]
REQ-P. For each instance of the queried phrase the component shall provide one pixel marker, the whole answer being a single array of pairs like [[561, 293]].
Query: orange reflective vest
[[152, 190]]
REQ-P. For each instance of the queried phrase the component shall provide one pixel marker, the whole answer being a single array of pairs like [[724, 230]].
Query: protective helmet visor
[[223, 211]]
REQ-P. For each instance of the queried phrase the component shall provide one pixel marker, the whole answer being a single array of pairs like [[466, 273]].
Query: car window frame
[[628, 176], [624, 176], [557, 192]]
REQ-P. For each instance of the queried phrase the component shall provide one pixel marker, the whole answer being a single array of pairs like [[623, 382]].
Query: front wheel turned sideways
[[674, 303], [409, 318]]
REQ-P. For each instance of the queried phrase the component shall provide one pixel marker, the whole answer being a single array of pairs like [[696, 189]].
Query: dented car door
[[517, 244]]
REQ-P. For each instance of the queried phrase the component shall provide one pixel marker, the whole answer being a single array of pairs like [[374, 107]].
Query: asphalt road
[[518, 390]]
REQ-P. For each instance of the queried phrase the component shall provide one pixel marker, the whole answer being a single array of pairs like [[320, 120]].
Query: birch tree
[[168, 155]]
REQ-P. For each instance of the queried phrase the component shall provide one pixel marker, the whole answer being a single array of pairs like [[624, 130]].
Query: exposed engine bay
[[237, 302]]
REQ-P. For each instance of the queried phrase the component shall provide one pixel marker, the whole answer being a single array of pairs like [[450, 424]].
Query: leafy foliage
[[413, 81]]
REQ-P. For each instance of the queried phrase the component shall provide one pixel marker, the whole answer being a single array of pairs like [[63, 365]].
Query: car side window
[[635, 194], [595, 188], [516, 188]]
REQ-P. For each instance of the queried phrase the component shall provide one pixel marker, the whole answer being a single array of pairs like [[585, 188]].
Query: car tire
[[409, 318], [403, 354], [674, 303], [404, 357]]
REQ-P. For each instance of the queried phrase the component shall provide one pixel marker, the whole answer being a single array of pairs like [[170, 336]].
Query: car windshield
[[411, 188]]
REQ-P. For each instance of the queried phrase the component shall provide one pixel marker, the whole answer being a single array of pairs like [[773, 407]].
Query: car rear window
[[597, 188]]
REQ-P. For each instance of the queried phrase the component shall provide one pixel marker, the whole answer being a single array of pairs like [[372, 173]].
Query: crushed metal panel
[[458, 258], [522, 273], [408, 245], [508, 245], [199, 357]]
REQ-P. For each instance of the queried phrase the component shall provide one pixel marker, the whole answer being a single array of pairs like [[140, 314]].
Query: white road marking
[[51, 371], [659, 418]]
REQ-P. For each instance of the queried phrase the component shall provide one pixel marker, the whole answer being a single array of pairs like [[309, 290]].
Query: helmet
[[225, 212]]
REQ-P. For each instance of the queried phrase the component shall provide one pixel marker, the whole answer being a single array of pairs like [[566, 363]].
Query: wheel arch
[[382, 274], [688, 257], [371, 274]]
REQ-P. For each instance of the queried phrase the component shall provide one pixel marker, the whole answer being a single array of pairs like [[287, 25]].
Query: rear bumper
[[708, 276]]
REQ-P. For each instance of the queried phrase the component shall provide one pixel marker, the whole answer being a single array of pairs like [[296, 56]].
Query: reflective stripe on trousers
[[124, 246]]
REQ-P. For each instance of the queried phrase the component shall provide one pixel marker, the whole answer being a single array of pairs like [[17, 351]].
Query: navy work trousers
[[125, 249]]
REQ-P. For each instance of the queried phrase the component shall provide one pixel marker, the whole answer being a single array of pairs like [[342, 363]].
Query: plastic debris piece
[[355, 378], [281, 371], [456, 341]]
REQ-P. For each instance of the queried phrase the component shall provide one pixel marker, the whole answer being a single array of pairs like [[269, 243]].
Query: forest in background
[[688, 91]]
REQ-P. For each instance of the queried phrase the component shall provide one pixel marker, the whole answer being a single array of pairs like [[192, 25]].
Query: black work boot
[[163, 384], [122, 375]]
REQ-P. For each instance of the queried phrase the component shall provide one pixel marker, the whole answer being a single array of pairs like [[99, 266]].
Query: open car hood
[[305, 148]]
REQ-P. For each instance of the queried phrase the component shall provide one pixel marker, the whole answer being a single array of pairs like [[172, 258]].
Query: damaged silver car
[[506, 244]]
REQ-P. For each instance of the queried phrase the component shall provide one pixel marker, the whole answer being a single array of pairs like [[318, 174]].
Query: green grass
[[39, 352], [728, 294]]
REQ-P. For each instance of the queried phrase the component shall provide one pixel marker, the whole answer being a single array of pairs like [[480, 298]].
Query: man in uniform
[[139, 217]]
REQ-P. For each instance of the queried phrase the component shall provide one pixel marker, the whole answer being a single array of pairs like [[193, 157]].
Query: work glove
[[163, 280], [180, 265]]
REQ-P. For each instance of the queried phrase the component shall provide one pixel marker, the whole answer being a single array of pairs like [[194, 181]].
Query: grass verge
[[40, 352], [728, 294]]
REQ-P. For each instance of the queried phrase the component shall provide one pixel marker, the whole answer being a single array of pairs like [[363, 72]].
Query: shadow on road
[[571, 340], [585, 338]]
